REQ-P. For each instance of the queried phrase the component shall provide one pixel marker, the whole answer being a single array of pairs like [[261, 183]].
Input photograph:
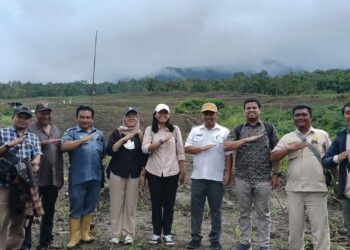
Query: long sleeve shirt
[[164, 160]]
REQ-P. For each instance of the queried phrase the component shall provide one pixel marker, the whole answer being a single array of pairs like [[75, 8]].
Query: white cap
[[162, 107]]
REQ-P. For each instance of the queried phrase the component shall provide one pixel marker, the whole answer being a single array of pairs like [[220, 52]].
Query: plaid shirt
[[29, 148]]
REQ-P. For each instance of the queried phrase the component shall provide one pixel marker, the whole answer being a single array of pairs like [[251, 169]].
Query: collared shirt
[[305, 172], [29, 148], [209, 164], [86, 159], [164, 160], [335, 159], [51, 163], [252, 160]]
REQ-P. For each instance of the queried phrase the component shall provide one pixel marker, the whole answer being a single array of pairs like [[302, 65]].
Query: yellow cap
[[209, 107]]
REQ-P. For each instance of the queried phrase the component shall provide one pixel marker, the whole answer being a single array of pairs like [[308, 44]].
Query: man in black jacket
[[339, 153]]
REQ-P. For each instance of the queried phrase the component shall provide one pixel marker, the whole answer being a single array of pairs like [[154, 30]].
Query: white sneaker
[[128, 240], [154, 240], [115, 241], [168, 240]]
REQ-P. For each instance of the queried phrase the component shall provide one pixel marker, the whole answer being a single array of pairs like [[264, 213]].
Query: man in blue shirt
[[86, 148]]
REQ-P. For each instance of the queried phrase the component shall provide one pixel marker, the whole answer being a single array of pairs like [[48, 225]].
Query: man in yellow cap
[[206, 143]]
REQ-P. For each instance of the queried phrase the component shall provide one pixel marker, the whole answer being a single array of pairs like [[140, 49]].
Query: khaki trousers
[[124, 194], [314, 205], [11, 226]]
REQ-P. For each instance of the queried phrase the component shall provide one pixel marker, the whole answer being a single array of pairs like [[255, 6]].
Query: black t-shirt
[[129, 159]]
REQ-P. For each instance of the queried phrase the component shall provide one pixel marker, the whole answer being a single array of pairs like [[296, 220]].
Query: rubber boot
[[85, 228], [74, 225]]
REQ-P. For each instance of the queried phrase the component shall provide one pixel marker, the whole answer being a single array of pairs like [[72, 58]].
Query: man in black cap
[[24, 145], [50, 175]]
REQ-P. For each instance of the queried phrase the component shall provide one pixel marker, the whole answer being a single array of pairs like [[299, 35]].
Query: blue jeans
[[213, 191], [83, 198]]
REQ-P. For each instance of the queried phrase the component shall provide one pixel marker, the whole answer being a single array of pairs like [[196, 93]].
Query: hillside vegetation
[[317, 82]]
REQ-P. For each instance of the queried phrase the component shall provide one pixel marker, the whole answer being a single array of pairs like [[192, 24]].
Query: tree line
[[293, 83]]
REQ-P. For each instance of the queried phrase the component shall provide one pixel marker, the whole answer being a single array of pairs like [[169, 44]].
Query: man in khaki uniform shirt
[[306, 187]]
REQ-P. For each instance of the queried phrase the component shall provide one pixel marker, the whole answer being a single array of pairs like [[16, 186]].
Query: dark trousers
[[27, 242], [163, 193], [214, 191], [346, 212], [48, 196]]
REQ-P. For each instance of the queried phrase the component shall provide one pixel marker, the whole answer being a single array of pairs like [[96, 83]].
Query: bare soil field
[[108, 116]]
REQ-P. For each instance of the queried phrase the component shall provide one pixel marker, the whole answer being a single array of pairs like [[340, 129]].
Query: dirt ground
[[108, 114], [181, 226]]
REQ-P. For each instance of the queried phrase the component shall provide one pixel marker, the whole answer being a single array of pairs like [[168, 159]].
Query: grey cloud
[[53, 40]]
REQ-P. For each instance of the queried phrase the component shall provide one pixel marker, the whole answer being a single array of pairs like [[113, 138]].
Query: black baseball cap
[[22, 110], [130, 109]]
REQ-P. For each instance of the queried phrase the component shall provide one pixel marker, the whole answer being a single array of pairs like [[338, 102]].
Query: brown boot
[[74, 225], [85, 228]]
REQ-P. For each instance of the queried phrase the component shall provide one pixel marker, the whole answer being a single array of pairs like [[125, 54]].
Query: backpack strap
[[269, 129], [238, 131]]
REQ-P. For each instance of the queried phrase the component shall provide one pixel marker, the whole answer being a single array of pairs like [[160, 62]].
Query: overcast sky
[[53, 41]]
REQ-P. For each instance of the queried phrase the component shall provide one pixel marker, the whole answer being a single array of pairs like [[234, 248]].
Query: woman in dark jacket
[[124, 171]]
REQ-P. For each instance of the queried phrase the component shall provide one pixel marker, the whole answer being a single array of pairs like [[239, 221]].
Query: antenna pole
[[93, 87]]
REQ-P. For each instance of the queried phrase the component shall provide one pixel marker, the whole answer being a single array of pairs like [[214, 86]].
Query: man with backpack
[[17, 140], [306, 183], [253, 142]]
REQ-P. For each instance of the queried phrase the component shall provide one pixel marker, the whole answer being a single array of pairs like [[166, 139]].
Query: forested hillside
[[329, 81]]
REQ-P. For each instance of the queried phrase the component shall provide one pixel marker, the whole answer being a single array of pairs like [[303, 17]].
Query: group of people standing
[[157, 156]]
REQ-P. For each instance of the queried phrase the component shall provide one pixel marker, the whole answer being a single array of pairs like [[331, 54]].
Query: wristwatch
[[7, 146], [278, 174]]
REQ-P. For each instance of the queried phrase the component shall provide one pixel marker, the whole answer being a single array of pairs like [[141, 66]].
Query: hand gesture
[[344, 155], [206, 147], [295, 146], [88, 137], [16, 141], [253, 138], [50, 141], [128, 136], [167, 138]]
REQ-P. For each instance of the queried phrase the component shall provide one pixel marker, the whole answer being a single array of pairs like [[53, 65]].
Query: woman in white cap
[[164, 169], [124, 171]]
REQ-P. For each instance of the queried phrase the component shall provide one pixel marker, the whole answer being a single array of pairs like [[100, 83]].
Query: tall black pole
[[93, 89]]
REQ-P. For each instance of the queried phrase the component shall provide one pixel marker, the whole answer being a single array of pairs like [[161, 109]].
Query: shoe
[[128, 240], [154, 240], [55, 245], [215, 245], [115, 241], [241, 246], [168, 240], [42, 247], [193, 244], [264, 248]]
